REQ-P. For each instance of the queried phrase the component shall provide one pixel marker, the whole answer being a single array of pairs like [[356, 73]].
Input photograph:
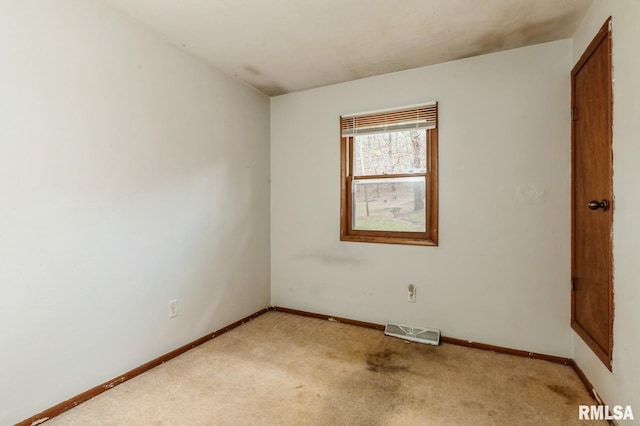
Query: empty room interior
[[328, 212]]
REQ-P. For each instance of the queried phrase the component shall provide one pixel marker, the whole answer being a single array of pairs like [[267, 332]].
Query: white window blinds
[[417, 117]]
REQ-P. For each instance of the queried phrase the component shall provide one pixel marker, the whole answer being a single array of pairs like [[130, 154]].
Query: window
[[389, 176]]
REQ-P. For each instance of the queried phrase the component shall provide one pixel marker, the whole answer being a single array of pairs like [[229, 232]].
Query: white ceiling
[[282, 46]]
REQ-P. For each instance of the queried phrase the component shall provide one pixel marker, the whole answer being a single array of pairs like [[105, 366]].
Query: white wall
[[501, 272], [130, 174], [621, 387]]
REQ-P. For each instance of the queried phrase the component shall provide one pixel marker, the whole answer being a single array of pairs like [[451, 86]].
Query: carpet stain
[[569, 394], [472, 405], [529, 382], [386, 361]]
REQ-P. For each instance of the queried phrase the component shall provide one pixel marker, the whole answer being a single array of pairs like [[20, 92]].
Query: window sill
[[389, 240]]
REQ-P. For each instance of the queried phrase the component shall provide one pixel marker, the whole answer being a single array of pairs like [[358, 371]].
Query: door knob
[[595, 205]]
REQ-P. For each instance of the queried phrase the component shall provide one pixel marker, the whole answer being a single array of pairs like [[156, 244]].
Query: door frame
[[603, 35]]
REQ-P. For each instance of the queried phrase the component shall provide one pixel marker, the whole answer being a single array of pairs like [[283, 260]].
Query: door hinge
[[573, 284], [574, 114]]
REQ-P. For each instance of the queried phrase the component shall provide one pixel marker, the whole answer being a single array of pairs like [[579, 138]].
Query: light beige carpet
[[282, 369]]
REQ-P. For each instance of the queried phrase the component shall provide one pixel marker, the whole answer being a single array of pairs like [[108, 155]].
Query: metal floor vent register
[[415, 334]]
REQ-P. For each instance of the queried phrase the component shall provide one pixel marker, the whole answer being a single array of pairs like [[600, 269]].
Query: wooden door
[[592, 197]]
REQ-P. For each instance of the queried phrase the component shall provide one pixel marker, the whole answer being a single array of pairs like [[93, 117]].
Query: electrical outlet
[[411, 293], [173, 308]]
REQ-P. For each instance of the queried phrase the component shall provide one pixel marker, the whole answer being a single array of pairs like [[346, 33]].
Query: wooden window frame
[[427, 238]]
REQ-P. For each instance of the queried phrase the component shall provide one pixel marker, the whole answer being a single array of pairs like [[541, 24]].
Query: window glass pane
[[389, 153], [389, 204]]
